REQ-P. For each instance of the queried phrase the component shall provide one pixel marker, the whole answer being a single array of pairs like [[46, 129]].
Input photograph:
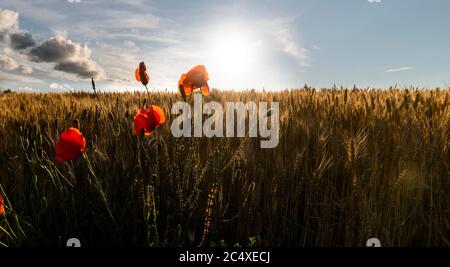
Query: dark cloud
[[69, 57], [21, 40], [83, 69], [57, 49]]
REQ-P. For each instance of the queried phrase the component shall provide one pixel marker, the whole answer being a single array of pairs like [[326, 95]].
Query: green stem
[[151, 107]]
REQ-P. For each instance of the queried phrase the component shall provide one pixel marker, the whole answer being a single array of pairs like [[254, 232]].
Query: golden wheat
[[350, 165]]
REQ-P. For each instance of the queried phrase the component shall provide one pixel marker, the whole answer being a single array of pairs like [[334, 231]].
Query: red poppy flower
[[2, 206], [197, 77], [148, 120], [70, 145], [141, 74]]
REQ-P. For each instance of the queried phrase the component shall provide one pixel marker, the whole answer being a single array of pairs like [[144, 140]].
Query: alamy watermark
[[236, 114]]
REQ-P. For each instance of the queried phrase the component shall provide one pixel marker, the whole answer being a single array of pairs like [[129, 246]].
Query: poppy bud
[[141, 74]]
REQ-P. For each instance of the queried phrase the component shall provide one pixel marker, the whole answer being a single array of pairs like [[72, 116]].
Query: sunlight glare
[[232, 54]]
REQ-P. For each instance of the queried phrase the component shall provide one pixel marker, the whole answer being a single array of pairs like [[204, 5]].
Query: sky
[[58, 45]]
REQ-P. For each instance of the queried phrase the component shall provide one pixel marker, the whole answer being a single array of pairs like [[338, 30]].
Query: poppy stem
[[151, 107], [148, 93]]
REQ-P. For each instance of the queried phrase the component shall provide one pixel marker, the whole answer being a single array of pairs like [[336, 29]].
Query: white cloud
[[74, 60], [37, 11], [8, 63], [8, 51], [119, 60], [68, 56], [11, 77], [60, 87], [399, 69], [27, 89], [9, 20], [131, 21], [284, 34], [137, 30], [26, 69]]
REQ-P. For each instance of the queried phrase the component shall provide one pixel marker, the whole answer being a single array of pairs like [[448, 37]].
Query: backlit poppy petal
[[188, 89], [197, 77], [182, 79], [184, 87], [159, 114], [205, 90], [147, 121], [136, 74]]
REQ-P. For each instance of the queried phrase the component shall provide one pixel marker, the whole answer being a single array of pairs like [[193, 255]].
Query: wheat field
[[350, 165]]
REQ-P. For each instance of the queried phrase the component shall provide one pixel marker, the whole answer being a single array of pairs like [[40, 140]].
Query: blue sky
[[56, 45]]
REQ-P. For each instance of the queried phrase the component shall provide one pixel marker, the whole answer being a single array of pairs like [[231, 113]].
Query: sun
[[232, 53]]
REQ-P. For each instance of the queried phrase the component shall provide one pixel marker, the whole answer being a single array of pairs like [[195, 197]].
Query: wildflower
[[71, 144], [148, 120], [197, 77], [141, 74]]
